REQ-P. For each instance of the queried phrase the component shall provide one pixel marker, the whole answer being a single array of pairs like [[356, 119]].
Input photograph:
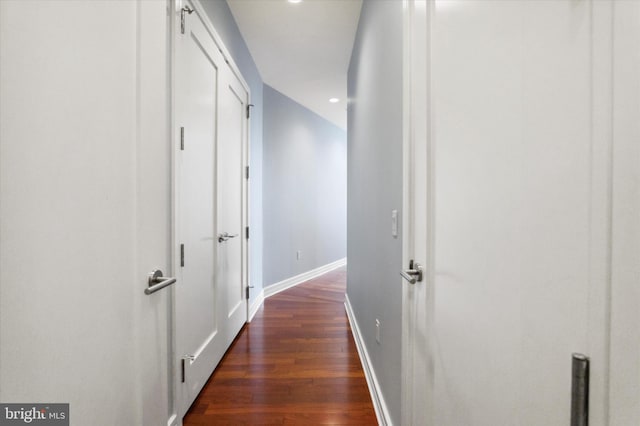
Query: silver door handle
[[413, 274], [157, 282], [225, 236], [579, 390]]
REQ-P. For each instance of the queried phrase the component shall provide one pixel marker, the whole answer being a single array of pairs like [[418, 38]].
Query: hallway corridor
[[295, 363]]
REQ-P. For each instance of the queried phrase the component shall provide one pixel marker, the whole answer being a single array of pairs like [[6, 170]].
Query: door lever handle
[[225, 236], [413, 274], [157, 282]]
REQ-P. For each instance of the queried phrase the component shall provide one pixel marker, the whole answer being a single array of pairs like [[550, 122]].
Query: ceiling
[[302, 49]]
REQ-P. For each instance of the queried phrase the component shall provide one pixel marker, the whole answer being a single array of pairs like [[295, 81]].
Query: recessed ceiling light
[[294, 1], [334, 100]]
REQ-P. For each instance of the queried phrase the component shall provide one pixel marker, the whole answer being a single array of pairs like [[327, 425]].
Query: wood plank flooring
[[295, 364]]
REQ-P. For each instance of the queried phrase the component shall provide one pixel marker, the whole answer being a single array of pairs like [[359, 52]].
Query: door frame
[[154, 112], [175, 7], [416, 145]]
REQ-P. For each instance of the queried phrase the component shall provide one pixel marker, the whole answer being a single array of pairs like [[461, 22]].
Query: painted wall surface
[[305, 169], [375, 189], [226, 27], [68, 208]]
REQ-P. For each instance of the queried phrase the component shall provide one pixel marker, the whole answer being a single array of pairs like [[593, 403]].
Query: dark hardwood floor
[[296, 363]]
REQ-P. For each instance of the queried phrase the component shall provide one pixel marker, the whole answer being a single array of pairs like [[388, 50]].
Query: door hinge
[[183, 362], [181, 138], [182, 255], [184, 10], [249, 111], [246, 232], [246, 172]]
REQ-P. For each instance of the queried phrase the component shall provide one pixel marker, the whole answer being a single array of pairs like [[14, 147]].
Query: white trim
[[255, 306], [379, 404], [173, 420], [417, 390], [407, 215], [199, 9], [299, 279], [176, 389]]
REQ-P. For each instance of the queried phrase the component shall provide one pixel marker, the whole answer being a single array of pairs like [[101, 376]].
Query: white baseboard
[[299, 279], [256, 305], [380, 406]]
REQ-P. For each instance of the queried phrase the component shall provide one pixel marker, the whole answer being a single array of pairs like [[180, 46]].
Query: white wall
[[73, 207]]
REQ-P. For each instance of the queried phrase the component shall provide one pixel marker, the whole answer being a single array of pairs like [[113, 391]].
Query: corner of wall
[[375, 176]]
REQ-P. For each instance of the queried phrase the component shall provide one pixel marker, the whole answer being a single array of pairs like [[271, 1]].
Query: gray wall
[[305, 168], [225, 25], [375, 189]]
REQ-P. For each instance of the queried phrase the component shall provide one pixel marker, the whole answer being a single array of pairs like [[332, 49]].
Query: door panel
[[516, 151], [512, 185], [84, 208], [231, 194], [512, 209], [198, 342], [197, 198]]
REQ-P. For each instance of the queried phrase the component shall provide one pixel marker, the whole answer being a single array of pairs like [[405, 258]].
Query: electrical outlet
[[298, 254], [378, 330]]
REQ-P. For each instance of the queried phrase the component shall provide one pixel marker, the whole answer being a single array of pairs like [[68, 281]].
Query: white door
[[624, 374], [508, 197], [85, 186], [231, 207], [210, 307]]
